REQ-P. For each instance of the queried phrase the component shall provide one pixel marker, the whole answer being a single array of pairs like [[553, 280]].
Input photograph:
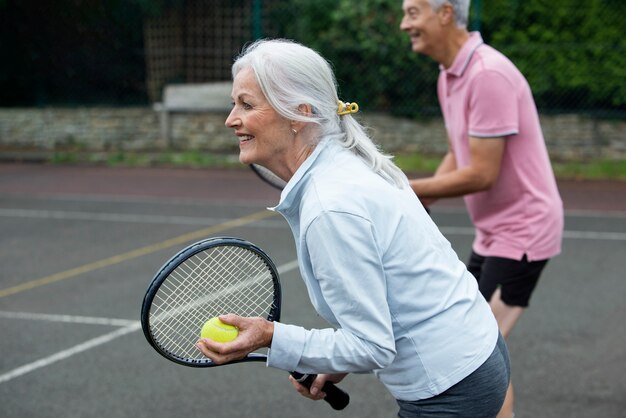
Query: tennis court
[[79, 246]]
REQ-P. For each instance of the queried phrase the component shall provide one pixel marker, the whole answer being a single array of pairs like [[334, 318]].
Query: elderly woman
[[401, 303]]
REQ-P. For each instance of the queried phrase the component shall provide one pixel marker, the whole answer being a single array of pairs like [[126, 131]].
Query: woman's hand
[[315, 391], [254, 333]]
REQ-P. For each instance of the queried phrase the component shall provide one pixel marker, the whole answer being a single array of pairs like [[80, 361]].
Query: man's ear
[[446, 14]]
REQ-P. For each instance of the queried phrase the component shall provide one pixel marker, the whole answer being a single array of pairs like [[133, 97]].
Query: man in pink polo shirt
[[497, 159]]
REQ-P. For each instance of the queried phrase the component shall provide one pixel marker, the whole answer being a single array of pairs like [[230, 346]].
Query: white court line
[[600, 236], [247, 203], [287, 267], [569, 213], [167, 200], [61, 355], [591, 235], [90, 320], [127, 327], [189, 220], [120, 217]]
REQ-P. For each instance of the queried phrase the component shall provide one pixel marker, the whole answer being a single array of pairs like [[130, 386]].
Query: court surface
[[79, 246]]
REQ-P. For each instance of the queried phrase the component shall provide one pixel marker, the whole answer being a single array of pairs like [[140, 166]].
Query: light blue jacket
[[377, 268]]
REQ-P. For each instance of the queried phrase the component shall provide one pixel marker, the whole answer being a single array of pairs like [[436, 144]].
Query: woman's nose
[[232, 120]]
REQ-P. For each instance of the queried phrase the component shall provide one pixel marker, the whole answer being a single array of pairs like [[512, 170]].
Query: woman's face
[[264, 136]]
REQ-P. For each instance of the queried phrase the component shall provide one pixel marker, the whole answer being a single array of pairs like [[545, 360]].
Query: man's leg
[[499, 280], [506, 315]]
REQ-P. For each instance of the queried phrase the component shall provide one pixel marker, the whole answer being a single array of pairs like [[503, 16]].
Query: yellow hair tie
[[346, 108]]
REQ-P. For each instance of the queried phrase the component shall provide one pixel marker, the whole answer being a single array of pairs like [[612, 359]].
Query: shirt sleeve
[[493, 106], [347, 266]]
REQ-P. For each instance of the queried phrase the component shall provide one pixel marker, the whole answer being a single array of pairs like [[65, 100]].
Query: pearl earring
[[294, 131]]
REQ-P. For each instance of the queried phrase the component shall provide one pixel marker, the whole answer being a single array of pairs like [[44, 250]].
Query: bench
[[191, 98]]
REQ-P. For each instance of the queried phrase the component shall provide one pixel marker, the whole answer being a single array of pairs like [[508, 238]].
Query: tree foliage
[[91, 51], [572, 52], [371, 56]]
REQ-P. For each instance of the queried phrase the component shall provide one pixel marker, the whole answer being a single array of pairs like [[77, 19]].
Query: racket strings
[[220, 280]]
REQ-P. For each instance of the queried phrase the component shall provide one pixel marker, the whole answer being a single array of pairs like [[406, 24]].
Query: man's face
[[423, 26]]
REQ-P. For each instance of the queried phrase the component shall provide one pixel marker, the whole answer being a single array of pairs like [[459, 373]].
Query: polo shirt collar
[[464, 55]]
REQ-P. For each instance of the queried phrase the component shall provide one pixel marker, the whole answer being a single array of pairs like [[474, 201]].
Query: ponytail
[[357, 140]]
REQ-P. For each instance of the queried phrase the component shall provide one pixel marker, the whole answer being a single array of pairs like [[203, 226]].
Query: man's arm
[[451, 181], [447, 165]]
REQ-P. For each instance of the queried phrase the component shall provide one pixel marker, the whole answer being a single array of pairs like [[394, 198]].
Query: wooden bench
[[191, 98]]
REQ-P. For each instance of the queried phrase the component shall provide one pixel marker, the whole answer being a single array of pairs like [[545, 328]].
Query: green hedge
[[572, 52], [370, 56]]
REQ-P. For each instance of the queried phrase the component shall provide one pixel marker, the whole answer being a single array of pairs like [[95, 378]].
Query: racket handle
[[336, 397]]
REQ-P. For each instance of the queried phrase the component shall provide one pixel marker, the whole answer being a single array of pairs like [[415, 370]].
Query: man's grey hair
[[461, 9]]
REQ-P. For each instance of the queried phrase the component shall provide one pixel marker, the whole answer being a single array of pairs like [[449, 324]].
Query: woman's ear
[[304, 110]]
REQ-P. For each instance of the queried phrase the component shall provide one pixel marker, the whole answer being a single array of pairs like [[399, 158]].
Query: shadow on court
[[79, 246]]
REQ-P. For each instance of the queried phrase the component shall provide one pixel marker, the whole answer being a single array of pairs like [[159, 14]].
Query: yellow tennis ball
[[218, 331]]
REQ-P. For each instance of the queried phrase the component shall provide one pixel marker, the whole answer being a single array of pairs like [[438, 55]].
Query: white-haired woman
[[401, 303]]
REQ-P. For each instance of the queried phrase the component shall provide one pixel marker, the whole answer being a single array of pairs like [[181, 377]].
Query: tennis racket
[[209, 278], [268, 176]]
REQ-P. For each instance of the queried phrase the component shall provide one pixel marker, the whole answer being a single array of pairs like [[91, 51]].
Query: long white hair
[[289, 75]]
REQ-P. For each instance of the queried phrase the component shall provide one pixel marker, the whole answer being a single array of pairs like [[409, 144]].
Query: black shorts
[[516, 278]]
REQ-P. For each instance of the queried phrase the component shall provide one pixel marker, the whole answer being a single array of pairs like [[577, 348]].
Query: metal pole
[[257, 19], [477, 6]]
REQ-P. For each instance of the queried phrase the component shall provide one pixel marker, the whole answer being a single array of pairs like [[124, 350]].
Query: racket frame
[[177, 260], [268, 176], [337, 398]]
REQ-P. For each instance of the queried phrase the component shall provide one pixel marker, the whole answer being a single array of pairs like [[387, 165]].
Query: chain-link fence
[[573, 53]]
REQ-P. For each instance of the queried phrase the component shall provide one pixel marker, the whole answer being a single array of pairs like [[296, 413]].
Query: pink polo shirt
[[484, 95]]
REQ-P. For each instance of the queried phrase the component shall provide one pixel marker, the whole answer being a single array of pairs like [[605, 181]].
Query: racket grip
[[336, 397]]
